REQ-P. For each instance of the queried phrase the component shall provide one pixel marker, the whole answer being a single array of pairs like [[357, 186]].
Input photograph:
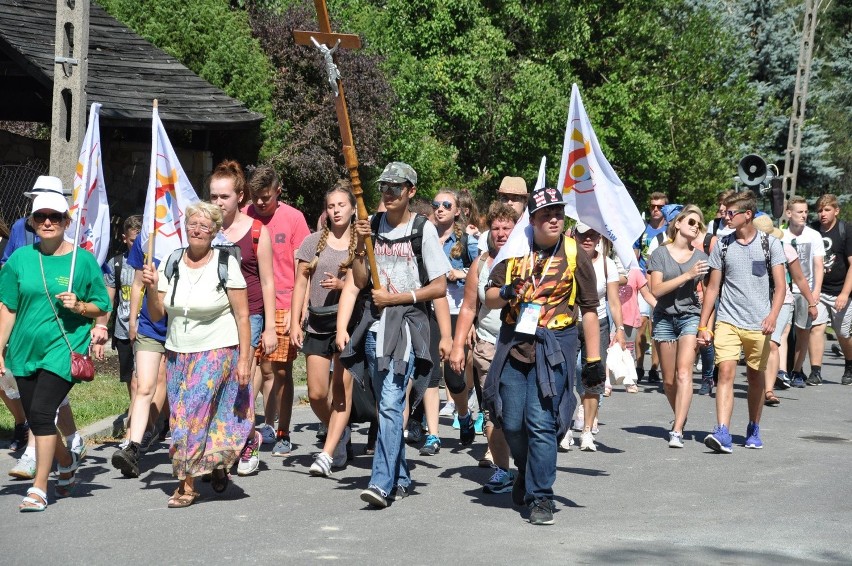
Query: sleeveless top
[[251, 273], [489, 323]]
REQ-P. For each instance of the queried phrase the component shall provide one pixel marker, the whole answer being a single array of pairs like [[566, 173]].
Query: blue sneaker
[[798, 379], [782, 380], [719, 440], [456, 423], [479, 423], [753, 436], [432, 446]]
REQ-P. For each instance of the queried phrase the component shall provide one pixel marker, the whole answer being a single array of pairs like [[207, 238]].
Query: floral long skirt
[[211, 415]]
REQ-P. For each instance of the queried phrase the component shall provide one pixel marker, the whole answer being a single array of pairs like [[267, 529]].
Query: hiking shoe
[[267, 433], [587, 442], [501, 481], [567, 442], [519, 489], [341, 456], [283, 446], [798, 379], [847, 377], [20, 436], [815, 378], [432, 446], [719, 440], [414, 433], [479, 423], [782, 380], [25, 468], [249, 457], [322, 432], [753, 436], [148, 440], [448, 409], [653, 376], [541, 512], [706, 386], [321, 466], [400, 492], [127, 460], [467, 434], [373, 496], [675, 439]]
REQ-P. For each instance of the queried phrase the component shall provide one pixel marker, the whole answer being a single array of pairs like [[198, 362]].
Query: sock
[[849, 364], [31, 452], [74, 440], [817, 369]]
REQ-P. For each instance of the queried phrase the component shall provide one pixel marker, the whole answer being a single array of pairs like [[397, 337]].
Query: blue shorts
[[256, 322], [670, 327]]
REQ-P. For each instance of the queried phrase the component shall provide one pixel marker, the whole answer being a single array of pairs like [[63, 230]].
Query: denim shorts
[[256, 322], [670, 327]]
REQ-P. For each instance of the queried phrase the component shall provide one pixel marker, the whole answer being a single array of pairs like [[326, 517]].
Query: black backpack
[[225, 250]]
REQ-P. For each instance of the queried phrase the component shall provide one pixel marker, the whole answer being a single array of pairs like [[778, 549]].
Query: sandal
[[632, 389], [219, 480], [771, 400], [181, 498], [31, 504], [65, 486]]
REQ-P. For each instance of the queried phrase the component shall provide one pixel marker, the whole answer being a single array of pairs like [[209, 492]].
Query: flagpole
[[152, 233]]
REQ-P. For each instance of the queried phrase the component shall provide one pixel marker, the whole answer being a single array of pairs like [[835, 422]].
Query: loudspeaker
[[752, 170]]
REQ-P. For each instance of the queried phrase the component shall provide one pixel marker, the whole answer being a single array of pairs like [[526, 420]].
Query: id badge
[[528, 318]]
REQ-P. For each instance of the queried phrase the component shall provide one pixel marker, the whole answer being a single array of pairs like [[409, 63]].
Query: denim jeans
[[389, 465], [529, 424]]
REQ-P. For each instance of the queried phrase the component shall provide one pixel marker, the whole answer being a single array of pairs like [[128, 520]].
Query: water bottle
[[7, 382]]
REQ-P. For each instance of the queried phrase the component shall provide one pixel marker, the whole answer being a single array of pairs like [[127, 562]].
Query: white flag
[[89, 227], [592, 191], [169, 194]]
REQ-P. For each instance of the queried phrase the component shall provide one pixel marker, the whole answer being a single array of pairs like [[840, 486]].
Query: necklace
[[192, 285]]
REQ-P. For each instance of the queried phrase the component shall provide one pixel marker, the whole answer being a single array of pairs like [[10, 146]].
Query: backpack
[[415, 237], [708, 237], [171, 270], [764, 243]]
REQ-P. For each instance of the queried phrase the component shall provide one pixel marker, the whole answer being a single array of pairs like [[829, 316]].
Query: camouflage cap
[[398, 172]]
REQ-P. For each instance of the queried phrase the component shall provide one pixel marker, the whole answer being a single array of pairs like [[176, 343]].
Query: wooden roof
[[126, 73]]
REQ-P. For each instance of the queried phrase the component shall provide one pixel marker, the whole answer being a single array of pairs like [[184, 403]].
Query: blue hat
[[670, 211]]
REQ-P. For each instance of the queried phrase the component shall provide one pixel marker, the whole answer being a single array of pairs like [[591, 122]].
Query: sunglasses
[[200, 227], [54, 217], [506, 199], [394, 188], [653, 206], [446, 204], [693, 222], [732, 213]]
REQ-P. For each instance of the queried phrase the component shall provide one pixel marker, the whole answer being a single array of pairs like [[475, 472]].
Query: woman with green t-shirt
[[39, 321]]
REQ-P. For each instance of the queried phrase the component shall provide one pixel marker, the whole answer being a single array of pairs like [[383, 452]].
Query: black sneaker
[[782, 380], [20, 436], [847, 377], [127, 460], [415, 433], [814, 378], [148, 440], [653, 376], [374, 497], [322, 432], [401, 492], [541, 512], [467, 432], [640, 374], [519, 489]]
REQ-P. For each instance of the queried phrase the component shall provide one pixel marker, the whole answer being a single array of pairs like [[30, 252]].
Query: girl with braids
[[461, 250], [323, 260], [228, 192]]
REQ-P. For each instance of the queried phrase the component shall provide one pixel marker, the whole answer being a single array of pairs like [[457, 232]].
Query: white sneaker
[[339, 456], [587, 442], [267, 432], [579, 421], [567, 442], [321, 466], [25, 468], [675, 439], [448, 409], [250, 457]]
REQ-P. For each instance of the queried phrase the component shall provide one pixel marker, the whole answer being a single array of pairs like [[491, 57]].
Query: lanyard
[[546, 267]]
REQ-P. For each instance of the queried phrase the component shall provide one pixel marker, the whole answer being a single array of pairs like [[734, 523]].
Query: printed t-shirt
[[122, 289], [808, 245], [200, 317], [144, 325], [36, 341], [329, 262], [287, 230], [837, 254], [684, 299]]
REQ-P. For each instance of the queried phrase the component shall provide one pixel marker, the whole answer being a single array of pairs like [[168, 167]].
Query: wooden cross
[[328, 43]]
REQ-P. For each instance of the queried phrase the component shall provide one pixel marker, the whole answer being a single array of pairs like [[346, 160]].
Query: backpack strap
[[708, 237], [116, 272], [222, 264], [417, 247], [767, 255], [171, 271], [723, 251]]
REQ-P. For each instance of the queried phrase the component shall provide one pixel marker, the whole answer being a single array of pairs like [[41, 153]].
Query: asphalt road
[[633, 501]]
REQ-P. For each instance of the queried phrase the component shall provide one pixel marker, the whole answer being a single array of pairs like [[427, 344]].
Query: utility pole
[[70, 72], [792, 154]]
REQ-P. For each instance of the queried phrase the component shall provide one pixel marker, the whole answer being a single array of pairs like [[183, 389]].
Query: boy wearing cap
[[390, 344], [746, 315], [534, 361]]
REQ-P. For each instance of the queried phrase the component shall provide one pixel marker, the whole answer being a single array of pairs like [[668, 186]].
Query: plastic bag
[[620, 366]]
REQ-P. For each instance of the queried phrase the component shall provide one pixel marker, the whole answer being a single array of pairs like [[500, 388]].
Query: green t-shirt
[[36, 342]]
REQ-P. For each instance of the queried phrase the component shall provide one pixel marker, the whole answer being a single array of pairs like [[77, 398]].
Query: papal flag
[[90, 227], [169, 194], [592, 190]]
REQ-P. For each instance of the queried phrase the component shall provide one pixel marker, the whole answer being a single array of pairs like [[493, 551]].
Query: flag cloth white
[[592, 191], [89, 227], [518, 244], [169, 194]]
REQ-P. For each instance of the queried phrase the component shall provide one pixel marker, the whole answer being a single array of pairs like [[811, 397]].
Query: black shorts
[[319, 344], [125, 359]]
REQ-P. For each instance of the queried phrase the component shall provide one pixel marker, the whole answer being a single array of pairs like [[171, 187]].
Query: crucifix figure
[[322, 40]]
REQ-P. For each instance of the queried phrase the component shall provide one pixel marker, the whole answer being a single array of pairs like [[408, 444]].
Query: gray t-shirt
[[122, 309], [684, 299], [745, 300], [329, 262]]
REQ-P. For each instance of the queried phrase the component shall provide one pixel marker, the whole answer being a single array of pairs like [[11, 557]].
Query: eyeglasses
[[506, 199], [54, 217], [200, 227], [394, 188], [446, 204], [732, 213]]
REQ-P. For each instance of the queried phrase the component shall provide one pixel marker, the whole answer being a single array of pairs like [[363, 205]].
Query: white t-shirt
[[611, 277], [201, 318], [808, 245]]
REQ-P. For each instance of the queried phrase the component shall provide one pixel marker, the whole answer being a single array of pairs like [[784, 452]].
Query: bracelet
[[82, 305], [620, 328], [413, 298], [813, 305], [592, 360], [104, 326], [702, 328]]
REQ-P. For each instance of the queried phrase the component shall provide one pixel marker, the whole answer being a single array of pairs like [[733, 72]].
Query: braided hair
[[342, 186]]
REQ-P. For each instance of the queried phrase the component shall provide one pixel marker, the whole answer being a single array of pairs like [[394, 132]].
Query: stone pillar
[[70, 72]]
